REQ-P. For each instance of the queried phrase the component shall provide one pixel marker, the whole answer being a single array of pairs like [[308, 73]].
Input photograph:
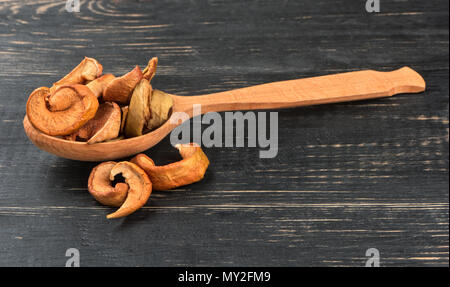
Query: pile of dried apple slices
[[141, 176], [87, 106]]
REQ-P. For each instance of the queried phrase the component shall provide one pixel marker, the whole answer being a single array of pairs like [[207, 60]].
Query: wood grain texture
[[347, 177], [326, 89]]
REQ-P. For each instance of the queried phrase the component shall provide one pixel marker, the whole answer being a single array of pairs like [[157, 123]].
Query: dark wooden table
[[347, 177]]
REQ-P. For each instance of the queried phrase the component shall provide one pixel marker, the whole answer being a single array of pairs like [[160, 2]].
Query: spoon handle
[[334, 88]]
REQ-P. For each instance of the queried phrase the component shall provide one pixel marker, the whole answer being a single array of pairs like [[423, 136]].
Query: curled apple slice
[[64, 111]]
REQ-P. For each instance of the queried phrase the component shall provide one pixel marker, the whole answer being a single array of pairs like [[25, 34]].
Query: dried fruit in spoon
[[160, 107], [148, 109], [120, 89], [138, 110], [124, 118], [99, 84], [104, 126], [150, 71], [88, 70], [190, 169], [62, 112], [144, 112]]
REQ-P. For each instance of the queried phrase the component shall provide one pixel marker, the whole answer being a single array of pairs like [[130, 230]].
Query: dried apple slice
[[150, 71], [99, 84], [104, 126], [120, 89], [130, 196], [88, 70], [63, 112], [139, 191], [99, 185], [124, 118], [190, 169], [138, 110], [160, 106]]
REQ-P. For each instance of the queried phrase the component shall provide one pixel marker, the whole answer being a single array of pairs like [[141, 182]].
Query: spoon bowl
[[351, 86], [102, 151]]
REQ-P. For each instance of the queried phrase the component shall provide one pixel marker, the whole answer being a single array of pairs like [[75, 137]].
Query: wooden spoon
[[335, 88]]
